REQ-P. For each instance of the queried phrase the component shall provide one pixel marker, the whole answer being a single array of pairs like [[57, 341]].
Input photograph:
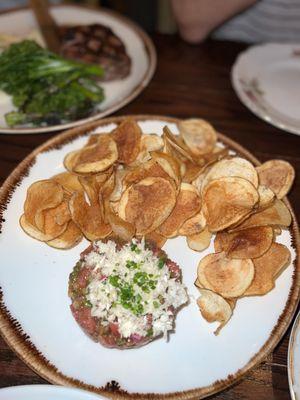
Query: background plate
[[36, 322], [266, 78], [117, 93], [46, 392]]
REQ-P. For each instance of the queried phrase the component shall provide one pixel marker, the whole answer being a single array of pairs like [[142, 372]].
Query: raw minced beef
[[125, 294]]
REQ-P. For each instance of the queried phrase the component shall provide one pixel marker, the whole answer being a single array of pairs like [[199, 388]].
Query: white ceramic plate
[[266, 79], [117, 93], [36, 321], [294, 360], [46, 392]]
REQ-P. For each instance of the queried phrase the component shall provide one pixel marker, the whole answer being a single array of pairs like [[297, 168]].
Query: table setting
[[213, 128]]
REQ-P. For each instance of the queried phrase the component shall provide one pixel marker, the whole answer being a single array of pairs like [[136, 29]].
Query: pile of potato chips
[[126, 183]]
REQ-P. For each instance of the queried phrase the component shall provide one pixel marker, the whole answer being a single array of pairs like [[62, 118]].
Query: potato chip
[[68, 181], [225, 276], [175, 146], [123, 229], [88, 218], [41, 195], [226, 201], [116, 194], [248, 243], [277, 231], [151, 142], [151, 168], [266, 196], [92, 184], [61, 214], [214, 308], [199, 136], [198, 284], [199, 241], [277, 175], [156, 238], [193, 225], [92, 159], [52, 232], [128, 138], [192, 171], [70, 238], [234, 167], [169, 164], [276, 215], [187, 204], [147, 204], [267, 268]]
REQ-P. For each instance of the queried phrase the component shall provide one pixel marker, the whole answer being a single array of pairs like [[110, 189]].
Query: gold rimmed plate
[[118, 93], [36, 321]]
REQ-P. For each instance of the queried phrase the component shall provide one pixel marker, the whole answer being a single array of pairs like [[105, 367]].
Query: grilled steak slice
[[96, 44]]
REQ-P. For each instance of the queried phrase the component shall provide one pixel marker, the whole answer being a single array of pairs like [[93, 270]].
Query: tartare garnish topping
[[130, 285]]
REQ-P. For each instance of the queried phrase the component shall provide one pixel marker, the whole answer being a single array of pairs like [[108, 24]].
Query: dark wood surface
[[189, 81]]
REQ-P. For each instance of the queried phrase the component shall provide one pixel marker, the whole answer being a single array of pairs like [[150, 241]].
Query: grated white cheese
[[134, 271]]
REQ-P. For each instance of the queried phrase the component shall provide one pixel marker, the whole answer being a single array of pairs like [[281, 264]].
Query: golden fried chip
[[277, 231], [97, 158], [187, 204], [170, 165], [128, 138], [276, 215], [88, 218], [198, 284], [199, 241], [267, 268], [70, 238], [226, 201], [198, 135], [119, 186], [41, 195], [193, 225], [147, 204], [175, 146], [214, 308], [150, 169], [277, 175], [92, 184], [192, 171], [266, 196], [156, 238], [217, 154], [248, 243], [61, 214], [68, 181], [53, 230], [234, 167], [151, 142], [93, 159], [225, 276], [123, 229]]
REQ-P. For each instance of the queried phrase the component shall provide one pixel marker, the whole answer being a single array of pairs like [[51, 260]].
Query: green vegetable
[[161, 263], [47, 89]]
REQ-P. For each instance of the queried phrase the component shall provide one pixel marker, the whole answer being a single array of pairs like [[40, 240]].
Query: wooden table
[[189, 81]]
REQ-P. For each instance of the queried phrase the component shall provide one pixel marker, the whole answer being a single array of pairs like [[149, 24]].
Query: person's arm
[[197, 18]]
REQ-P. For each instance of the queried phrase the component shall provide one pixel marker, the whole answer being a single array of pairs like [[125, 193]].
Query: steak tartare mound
[[125, 295]]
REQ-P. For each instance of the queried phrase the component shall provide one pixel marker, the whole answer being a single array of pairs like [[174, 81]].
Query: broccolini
[[45, 88]]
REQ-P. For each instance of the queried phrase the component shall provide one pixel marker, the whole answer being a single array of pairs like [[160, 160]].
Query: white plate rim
[[26, 351], [271, 118], [48, 389], [152, 63], [291, 349]]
